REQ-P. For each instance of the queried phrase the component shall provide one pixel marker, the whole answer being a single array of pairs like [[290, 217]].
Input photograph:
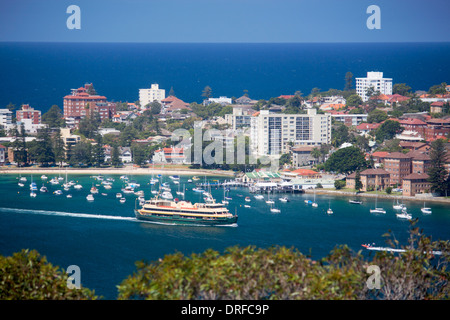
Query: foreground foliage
[[27, 275], [282, 273], [253, 273]]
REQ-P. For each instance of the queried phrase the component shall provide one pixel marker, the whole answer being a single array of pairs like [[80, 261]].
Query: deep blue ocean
[[104, 240], [41, 74]]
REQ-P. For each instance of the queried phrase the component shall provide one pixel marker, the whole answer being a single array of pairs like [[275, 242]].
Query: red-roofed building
[[367, 127], [81, 102], [29, 113], [169, 155]]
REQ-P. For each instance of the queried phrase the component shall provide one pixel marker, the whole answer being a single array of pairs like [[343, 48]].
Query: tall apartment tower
[[147, 96], [271, 133], [375, 80]]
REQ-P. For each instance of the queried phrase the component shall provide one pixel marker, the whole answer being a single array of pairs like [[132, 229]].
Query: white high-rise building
[[147, 96], [375, 80], [271, 133]]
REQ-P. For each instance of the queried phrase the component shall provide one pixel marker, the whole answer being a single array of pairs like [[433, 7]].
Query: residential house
[[365, 128], [125, 154]]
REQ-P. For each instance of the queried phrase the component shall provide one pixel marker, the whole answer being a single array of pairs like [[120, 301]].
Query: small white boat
[[118, 195], [314, 204], [198, 190], [54, 181], [69, 196], [78, 186], [329, 211], [94, 189], [167, 195], [190, 180], [58, 192], [247, 199], [122, 200], [20, 184], [398, 206], [128, 189], [107, 186], [259, 197], [270, 202], [33, 194], [425, 210], [44, 177], [355, 201], [247, 206], [43, 189], [404, 215], [377, 210], [284, 199], [90, 197]]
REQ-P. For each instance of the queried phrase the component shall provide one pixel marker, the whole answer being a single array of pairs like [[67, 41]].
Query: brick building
[[371, 179], [415, 183], [28, 113], [398, 165]]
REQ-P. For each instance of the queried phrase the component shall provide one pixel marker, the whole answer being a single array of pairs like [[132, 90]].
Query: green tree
[[376, 116], [402, 89], [437, 172], [115, 157], [339, 134], [438, 89], [353, 100], [19, 145], [358, 183], [207, 92], [339, 184], [53, 117], [26, 275], [59, 149], [348, 81], [42, 148], [387, 130], [346, 160]]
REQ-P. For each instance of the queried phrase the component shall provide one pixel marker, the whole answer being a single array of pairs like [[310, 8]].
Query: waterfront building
[[28, 113], [398, 165], [169, 155], [68, 137], [416, 183], [271, 133], [301, 156], [81, 102], [2, 154], [376, 81], [371, 179], [154, 93]]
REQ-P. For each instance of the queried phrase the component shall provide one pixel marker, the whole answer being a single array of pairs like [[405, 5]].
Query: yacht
[[198, 190], [284, 199], [404, 215], [329, 211], [377, 210], [43, 189], [33, 194], [78, 186], [425, 210], [398, 206], [54, 180], [58, 192], [259, 197], [355, 201], [44, 177], [94, 189], [314, 204]]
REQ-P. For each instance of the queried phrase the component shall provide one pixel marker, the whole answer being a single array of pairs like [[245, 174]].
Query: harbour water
[[104, 239]]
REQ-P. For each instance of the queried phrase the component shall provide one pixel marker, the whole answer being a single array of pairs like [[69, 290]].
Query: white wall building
[[147, 96], [375, 80], [5, 117], [270, 133]]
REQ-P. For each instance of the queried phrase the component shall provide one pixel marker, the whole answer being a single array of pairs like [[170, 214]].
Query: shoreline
[[118, 171], [384, 196]]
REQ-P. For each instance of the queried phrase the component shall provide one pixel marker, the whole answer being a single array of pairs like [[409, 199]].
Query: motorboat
[[90, 197], [247, 199], [69, 196], [377, 210], [122, 200], [58, 192], [94, 189], [118, 195], [43, 189], [259, 197], [32, 194], [284, 199], [167, 195], [330, 211], [198, 190], [355, 201], [78, 186], [404, 215]]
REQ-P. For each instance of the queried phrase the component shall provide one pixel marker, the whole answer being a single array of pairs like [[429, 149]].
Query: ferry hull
[[185, 221]]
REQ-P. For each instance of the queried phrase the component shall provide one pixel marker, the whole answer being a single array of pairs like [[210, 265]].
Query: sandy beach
[[127, 170]]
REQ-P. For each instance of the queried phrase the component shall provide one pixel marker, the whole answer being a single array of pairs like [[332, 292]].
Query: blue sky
[[225, 21]]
